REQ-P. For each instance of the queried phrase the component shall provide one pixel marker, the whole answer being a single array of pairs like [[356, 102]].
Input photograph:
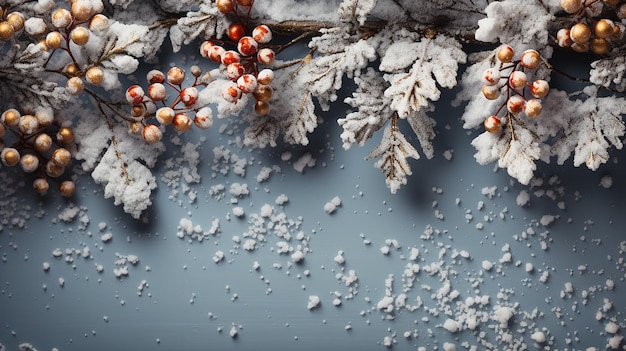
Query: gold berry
[[67, 188], [81, 10], [603, 28], [571, 6], [16, 20], [65, 135], [41, 185], [505, 54], [10, 117], [28, 124], [61, 157], [80, 36], [9, 156], [98, 23], [263, 93], [491, 92], [53, 170], [75, 85], [261, 107], [72, 70], [61, 18], [6, 31], [29, 163], [94, 75], [580, 33], [42, 143], [54, 40], [600, 46]]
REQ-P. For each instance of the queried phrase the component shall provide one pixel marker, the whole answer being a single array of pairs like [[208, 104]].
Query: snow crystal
[[538, 336], [606, 181], [305, 160], [503, 314], [332, 205]]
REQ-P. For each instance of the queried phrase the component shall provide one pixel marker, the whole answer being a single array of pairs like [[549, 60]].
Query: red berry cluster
[[39, 147], [241, 63], [145, 105], [510, 78], [593, 29]]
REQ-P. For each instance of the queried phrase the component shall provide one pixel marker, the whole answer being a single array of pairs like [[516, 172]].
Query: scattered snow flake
[[314, 302]]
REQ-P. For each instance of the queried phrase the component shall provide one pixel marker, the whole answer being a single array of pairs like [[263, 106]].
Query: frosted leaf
[[373, 110], [608, 72], [355, 10], [521, 24], [590, 128], [121, 3], [21, 79], [437, 63], [516, 149], [293, 104], [119, 161], [32, 59], [392, 153], [130, 185], [340, 53], [399, 56], [423, 126], [262, 130], [208, 20]]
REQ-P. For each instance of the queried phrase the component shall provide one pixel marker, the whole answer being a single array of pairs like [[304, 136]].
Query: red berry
[[182, 122], [215, 53], [151, 134], [204, 118], [515, 104], [247, 83], [518, 79], [231, 93], [530, 59], [265, 56], [262, 34], [189, 96], [235, 70], [532, 108], [155, 76], [247, 46], [135, 95], [157, 92], [176, 75], [236, 31], [539, 88], [205, 48], [265, 76], [245, 2], [230, 56], [492, 124], [491, 76]]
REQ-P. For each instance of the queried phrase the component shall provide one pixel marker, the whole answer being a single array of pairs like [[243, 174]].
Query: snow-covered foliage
[[397, 54]]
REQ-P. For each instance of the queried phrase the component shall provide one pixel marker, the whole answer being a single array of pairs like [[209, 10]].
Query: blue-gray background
[[97, 311]]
